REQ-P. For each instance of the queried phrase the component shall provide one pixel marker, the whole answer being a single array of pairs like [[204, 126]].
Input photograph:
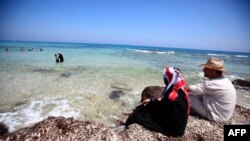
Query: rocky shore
[[60, 128]]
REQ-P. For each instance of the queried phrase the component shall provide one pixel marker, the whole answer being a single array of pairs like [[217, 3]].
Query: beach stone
[[242, 83], [120, 86], [20, 103], [81, 69], [12, 107], [152, 92], [116, 94], [67, 74], [43, 70]]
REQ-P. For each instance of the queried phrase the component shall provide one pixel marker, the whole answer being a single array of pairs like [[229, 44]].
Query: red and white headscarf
[[173, 77]]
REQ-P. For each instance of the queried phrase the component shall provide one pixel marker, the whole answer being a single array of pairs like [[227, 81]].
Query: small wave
[[233, 77], [164, 52], [160, 52], [36, 111], [213, 54], [152, 52], [241, 56], [201, 74], [143, 51], [246, 96], [171, 52]]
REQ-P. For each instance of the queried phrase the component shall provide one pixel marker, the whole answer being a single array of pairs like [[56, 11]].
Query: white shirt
[[219, 97]]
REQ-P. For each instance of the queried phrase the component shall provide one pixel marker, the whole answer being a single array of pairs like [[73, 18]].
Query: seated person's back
[[167, 113]]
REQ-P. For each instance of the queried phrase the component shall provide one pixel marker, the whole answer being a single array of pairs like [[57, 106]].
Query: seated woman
[[167, 113]]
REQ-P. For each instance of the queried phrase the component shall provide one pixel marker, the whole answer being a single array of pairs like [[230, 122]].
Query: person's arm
[[197, 89], [148, 100]]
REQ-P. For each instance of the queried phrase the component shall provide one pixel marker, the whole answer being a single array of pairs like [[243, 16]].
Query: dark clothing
[[57, 60], [168, 115], [141, 115], [165, 116], [60, 56]]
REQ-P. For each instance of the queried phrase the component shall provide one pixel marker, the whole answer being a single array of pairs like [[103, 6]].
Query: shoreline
[[61, 128], [117, 96]]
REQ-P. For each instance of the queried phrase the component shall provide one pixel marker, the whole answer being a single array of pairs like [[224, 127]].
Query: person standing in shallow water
[[215, 98], [59, 57]]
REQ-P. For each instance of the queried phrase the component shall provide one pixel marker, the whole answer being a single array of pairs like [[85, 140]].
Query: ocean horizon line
[[127, 45]]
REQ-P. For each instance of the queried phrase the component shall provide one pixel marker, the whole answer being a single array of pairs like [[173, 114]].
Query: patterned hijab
[[174, 80]]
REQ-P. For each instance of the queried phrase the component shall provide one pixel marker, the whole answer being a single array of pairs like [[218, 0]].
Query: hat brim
[[208, 66]]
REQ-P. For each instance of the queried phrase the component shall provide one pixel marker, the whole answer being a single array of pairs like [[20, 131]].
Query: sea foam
[[36, 111]]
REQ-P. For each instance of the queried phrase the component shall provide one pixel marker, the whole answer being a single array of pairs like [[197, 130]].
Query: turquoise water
[[34, 87]]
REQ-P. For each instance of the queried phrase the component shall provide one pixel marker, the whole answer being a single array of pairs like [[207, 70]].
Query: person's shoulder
[[215, 80], [222, 81]]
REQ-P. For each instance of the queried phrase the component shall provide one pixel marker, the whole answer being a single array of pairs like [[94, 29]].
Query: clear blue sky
[[203, 24]]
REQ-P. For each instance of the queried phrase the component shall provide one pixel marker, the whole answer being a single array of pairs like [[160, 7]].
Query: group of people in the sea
[[58, 56], [214, 99], [22, 49]]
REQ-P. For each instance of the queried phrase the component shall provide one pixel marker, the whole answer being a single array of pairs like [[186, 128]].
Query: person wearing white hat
[[215, 98]]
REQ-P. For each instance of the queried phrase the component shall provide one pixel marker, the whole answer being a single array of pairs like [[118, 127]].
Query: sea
[[96, 82]]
